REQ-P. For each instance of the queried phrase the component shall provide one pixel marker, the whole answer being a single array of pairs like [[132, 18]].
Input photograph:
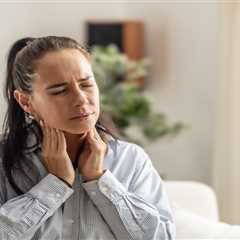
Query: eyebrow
[[65, 83]]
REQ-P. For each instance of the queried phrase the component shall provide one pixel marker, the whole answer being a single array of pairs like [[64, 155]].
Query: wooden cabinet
[[127, 35]]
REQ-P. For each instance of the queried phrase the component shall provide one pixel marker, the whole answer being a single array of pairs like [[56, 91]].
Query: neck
[[73, 142]]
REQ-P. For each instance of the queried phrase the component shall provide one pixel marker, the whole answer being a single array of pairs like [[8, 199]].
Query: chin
[[80, 129]]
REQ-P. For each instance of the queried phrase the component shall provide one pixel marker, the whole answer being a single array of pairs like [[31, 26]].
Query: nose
[[79, 96]]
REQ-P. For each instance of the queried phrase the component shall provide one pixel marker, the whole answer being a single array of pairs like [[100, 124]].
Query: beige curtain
[[226, 163]]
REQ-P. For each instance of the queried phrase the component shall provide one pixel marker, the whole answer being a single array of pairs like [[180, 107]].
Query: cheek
[[96, 95], [48, 110], [97, 101]]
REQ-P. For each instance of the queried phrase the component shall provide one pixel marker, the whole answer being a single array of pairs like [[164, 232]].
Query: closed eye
[[87, 85], [64, 90], [60, 88], [56, 93]]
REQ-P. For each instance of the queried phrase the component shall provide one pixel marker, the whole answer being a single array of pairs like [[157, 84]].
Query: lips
[[81, 115]]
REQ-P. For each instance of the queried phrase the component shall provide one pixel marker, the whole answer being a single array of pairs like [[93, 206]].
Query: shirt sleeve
[[21, 216], [141, 212]]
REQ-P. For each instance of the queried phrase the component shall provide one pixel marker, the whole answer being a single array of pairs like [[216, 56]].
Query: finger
[[56, 139], [43, 128], [53, 139], [83, 136], [51, 146], [91, 137], [60, 136], [97, 137], [48, 139], [62, 141]]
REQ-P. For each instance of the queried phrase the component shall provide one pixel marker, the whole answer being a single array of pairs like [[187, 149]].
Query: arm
[[20, 217], [140, 212]]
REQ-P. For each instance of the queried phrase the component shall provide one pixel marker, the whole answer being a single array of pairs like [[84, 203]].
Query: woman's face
[[64, 90]]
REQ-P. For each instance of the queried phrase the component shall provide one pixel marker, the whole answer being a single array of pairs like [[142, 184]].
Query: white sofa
[[196, 212]]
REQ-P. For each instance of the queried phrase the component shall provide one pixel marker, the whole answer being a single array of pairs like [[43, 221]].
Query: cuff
[[108, 185], [51, 191]]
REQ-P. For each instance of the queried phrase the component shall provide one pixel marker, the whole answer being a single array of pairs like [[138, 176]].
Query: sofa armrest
[[193, 196]]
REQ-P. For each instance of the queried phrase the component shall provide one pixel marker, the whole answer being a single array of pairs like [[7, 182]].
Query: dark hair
[[20, 70]]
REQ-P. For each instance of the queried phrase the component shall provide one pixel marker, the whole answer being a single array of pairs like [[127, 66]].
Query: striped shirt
[[127, 202]]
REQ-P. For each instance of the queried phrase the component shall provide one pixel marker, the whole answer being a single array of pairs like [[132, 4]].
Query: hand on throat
[[74, 143]]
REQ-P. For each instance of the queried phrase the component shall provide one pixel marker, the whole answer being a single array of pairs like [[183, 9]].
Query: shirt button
[[71, 221], [93, 193], [105, 189], [58, 195]]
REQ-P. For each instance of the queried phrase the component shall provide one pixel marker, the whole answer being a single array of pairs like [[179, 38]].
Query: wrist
[[95, 177], [88, 179], [66, 182]]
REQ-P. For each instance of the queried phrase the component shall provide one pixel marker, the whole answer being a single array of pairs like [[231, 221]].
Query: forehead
[[62, 65]]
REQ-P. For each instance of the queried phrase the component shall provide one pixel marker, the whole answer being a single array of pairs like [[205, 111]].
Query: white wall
[[181, 39], [40, 19]]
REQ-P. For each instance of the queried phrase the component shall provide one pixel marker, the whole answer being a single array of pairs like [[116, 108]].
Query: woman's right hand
[[54, 153]]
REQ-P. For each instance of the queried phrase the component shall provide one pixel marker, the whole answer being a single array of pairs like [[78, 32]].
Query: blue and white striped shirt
[[127, 202]]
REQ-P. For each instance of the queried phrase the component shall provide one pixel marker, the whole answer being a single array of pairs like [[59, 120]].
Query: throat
[[75, 144]]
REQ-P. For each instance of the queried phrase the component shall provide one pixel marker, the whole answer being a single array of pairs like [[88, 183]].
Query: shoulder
[[128, 162], [131, 155], [126, 147]]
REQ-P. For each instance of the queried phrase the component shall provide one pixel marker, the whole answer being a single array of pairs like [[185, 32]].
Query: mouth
[[81, 116]]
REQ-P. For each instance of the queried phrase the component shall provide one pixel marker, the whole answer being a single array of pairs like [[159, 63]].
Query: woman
[[62, 174]]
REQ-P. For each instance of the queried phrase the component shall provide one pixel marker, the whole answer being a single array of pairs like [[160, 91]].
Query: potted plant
[[123, 99]]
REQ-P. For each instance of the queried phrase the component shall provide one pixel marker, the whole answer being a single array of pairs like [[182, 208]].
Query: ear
[[24, 100]]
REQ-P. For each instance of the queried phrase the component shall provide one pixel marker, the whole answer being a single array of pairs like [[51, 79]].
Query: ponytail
[[14, 130]]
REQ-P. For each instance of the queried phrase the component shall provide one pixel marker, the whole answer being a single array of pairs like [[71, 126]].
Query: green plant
[[121, 97]]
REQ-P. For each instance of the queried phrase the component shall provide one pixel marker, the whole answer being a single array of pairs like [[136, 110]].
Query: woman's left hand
[[90, 162]]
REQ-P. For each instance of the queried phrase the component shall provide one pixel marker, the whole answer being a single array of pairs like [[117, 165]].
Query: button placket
[[76, 203]]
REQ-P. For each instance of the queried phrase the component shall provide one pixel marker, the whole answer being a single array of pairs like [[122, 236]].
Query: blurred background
[[174, 66]]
